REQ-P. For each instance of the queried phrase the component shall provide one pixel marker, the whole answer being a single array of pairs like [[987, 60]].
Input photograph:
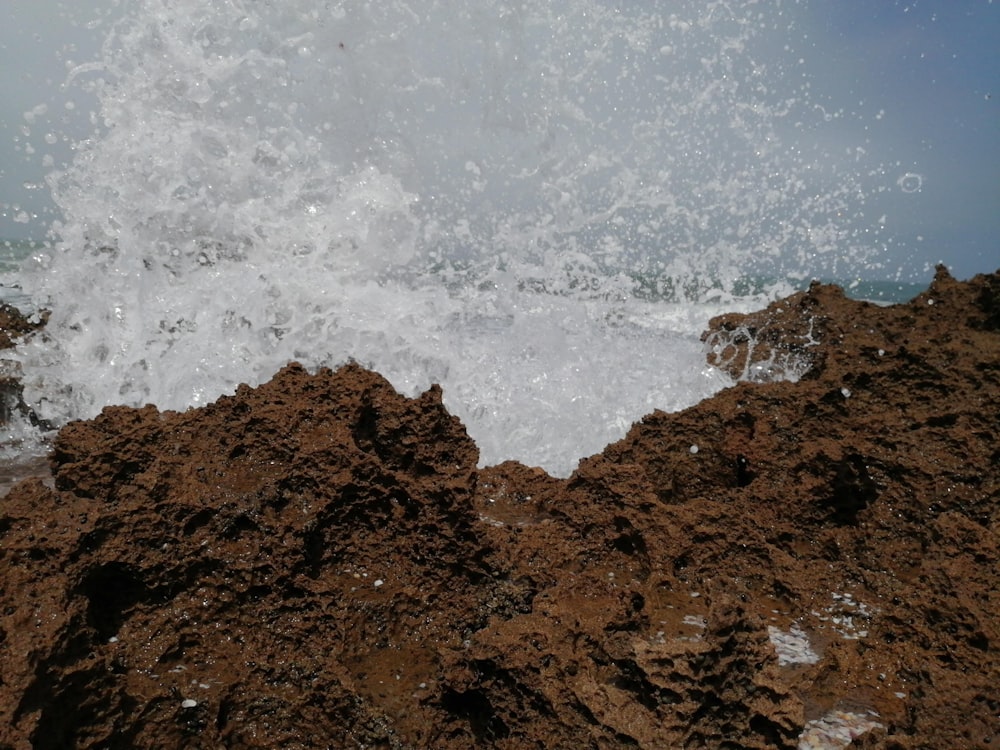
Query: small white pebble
[[845, 392], [881, 352], [188, 703], [693, 449], [113, 639], [836, 730], [792, 646], [378, 582]]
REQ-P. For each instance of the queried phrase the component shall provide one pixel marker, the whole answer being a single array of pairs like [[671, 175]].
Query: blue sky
[[934, 68], [916, 83]]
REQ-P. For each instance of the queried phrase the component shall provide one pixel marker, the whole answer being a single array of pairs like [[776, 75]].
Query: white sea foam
[[536, 204]]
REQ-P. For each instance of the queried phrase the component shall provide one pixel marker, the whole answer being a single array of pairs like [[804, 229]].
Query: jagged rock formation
[[318, 562]]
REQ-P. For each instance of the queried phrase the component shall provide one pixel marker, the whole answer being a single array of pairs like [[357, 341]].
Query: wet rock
[[13, 326], [318, 562]]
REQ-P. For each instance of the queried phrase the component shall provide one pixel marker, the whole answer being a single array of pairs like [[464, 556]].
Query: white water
[[448, 191]]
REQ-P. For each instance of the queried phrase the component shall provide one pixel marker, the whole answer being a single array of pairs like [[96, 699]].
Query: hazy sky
[[931, 66]]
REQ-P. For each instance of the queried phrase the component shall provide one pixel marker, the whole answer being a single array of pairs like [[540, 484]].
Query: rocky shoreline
[[318, 562]]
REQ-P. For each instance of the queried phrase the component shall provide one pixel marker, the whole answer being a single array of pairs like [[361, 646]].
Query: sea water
[[538, 205]]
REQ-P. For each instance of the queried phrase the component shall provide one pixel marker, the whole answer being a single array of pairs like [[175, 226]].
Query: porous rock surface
[[318, 562]]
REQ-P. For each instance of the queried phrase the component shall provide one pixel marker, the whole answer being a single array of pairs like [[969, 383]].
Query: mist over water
[[536, 204]]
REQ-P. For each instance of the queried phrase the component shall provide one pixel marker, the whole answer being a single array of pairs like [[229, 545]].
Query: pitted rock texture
[[319, 563]]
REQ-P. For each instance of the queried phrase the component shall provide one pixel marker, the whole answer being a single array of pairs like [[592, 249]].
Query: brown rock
[[318, 563], [14, 325], [278, 557]]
